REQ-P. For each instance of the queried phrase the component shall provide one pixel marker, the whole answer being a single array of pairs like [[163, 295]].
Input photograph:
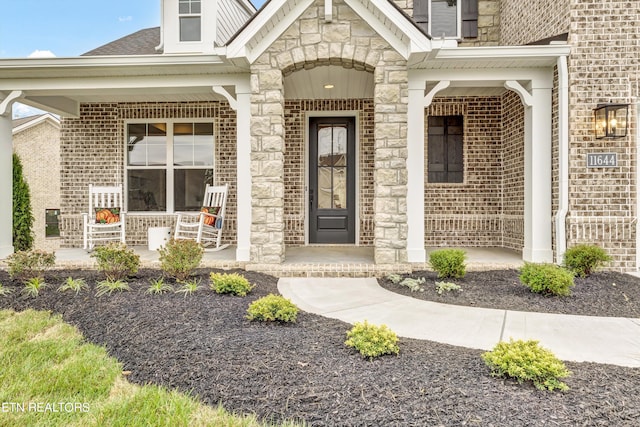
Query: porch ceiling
[[348, 83]]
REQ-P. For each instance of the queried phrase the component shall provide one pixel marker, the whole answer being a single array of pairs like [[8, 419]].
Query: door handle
[[310, 198]]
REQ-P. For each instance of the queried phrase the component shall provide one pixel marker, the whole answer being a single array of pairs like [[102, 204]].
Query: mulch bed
[[608, 294], [203, 344]]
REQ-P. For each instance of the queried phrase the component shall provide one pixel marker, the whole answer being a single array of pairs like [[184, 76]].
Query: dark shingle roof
[[23, 120], [143, 42]]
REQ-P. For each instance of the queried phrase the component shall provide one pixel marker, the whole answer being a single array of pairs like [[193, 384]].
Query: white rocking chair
[[206, 226], [105, 220]]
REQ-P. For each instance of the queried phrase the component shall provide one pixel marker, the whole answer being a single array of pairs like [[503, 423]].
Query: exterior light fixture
[[328, 86], [611, 120]]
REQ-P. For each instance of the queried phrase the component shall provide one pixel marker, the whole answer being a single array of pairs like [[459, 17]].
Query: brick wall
[[93, 152], [39, 150], [523, 22], [295, 160]]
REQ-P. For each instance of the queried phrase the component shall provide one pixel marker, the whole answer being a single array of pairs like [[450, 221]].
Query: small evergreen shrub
[[448, 263], [72, 284], [179, 258], [230, 283], [272, 308], [371, 340], [413, 284], [442, 287], [547, 279], [25, 265], [33, 286], [110, 286], [394, 278], [116, 261], [585, 259], [22, 214], [527, 361]]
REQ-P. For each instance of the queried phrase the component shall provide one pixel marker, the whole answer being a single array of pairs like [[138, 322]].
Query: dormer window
[[190, 20], [447, 18]]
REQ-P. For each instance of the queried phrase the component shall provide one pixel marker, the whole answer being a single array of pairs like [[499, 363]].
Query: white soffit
[[347, 83]]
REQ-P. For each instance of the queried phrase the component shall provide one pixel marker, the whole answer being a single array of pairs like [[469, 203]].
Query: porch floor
[[311, 261]]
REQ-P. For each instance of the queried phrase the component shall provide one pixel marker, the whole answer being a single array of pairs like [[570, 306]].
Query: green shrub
[[394, 278], [179, 258], [442, 287], [72, 284], [22, 215], [25, 265], [33, 286], [109, 286], [234, 283], [371, 340], [116, 261], [527, 361], [272, 308], [585, 259], [548, 279], [448, 263]]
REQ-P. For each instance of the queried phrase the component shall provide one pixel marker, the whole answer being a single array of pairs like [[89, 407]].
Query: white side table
[[158, 236]]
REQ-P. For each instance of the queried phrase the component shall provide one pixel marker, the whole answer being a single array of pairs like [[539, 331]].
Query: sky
[[67, 28]]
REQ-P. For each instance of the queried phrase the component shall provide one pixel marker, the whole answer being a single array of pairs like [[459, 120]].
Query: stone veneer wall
[[513, 171], [295, 158], [468, 213], [523, 22], [92, 151], [39, 150], [310, 42]]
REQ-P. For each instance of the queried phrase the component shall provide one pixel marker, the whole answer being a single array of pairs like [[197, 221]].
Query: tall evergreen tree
[[22, 215]]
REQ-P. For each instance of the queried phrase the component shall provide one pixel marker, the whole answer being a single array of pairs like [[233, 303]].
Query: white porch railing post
[[243, 198]]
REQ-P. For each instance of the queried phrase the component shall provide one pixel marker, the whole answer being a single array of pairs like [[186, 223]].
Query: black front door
[[332, 180]]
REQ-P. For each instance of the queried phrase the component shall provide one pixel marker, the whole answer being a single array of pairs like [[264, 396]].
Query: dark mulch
[[202, 343], [608, 294]]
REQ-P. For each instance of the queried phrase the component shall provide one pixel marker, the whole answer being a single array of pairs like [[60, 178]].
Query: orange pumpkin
[[102, 215], [208, 220]]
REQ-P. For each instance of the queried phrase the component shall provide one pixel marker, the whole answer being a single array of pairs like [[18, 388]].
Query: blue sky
[[72, 27], [65, 28]]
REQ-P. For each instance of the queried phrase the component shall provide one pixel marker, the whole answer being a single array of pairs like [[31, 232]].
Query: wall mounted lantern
[[611, 120]]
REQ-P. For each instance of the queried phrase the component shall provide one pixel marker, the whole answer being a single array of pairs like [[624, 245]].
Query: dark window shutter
[[469, 18], [421, 13], [445, 149]]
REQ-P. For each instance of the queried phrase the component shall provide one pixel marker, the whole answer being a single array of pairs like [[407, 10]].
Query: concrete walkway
[[610, 340]]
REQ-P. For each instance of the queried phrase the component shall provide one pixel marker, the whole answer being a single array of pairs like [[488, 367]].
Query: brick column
[[391, 97], [267, 164]]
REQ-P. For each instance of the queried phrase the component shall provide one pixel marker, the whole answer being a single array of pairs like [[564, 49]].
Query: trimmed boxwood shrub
[[234, 283], [448, 263], [548, 279], [527, 361], [585, 259], [372, 340], [272, 308]]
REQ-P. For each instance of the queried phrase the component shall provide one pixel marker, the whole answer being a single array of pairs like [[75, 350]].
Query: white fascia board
[[239, 47], [110, 61], [550, 52], [47, 117], [541, 75], [418, 41]]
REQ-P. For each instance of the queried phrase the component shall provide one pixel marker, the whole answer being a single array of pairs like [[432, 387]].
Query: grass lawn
[[51, 377]]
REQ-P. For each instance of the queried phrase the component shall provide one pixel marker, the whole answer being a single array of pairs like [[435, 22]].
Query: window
[[444, 149], [190, 20], [52, 226], [448, 18], [168, 165]]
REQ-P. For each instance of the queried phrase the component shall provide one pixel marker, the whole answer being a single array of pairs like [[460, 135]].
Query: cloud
[[125, 18], [21, 110], [42, 54]]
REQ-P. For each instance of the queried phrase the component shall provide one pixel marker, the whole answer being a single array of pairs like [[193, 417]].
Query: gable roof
[[143, 42], [26, 122]]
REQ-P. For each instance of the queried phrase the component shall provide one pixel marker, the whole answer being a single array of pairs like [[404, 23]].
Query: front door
[[332, 186]]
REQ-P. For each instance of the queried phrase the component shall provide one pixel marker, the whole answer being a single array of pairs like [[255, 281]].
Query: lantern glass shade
[[611, 120]]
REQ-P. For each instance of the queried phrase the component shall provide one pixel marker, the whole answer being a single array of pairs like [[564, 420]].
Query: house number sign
[[602, 160]]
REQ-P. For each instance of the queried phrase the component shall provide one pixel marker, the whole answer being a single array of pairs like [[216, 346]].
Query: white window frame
[[169, 167], [458, 34], [190, 15]]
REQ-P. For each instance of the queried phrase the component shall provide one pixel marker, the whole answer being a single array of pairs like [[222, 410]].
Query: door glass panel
[[325, 192], [340, 146], [339, 188], [324, 146]]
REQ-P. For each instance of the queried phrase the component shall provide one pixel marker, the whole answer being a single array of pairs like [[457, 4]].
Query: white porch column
[[6, 183], [243, 134], [415, 172], [537, 174]]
